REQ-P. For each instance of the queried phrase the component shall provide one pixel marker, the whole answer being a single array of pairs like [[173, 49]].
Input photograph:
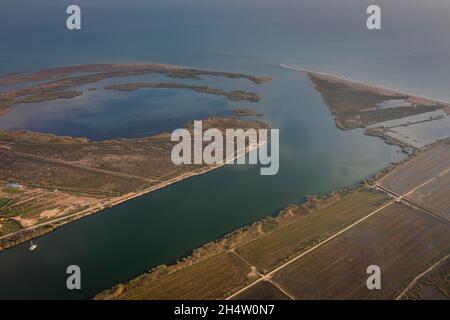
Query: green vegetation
[[4, 202], [12, 191]]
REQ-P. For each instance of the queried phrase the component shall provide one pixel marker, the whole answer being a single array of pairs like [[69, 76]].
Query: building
[[14, 185]]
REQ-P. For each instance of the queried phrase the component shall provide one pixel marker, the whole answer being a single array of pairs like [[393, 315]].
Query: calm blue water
[[411, 52], [106, 114]]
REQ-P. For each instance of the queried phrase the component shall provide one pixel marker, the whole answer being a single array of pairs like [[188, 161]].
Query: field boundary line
[[427, 182], [281, 227], [244, 260], [416, 279], [278, 286], [82, 167], [268, 275], [120, 199], [425, 210]]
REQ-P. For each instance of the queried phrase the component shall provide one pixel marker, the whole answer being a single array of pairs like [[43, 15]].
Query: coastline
[[392, 90], [343, 98], [60, 79], [239, 237], [11, 240], [254, 231], [57, 81]]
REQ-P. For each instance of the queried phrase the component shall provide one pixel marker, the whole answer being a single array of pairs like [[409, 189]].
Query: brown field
[[46, 173], [425, 166], [263, 290], [33, 205], [277, 247], [213, 278], [435, 285], [434, 196], [119, 70], [401, 240]]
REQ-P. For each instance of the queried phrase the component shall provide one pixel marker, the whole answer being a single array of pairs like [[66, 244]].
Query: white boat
[[32, 246]]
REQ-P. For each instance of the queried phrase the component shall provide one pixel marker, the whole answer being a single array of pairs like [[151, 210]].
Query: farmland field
[[213, 278], [401, 240], [263, 290], [435, 196], [434, 285], [271, 250]]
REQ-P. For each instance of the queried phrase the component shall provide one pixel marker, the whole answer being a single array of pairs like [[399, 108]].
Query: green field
[[272, 250]]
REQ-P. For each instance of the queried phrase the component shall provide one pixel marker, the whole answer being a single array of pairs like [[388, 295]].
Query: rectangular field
[[270, 251], [213, 278], [420, 169], [422, 134], [401, 240], [435, 285], [434, 196]]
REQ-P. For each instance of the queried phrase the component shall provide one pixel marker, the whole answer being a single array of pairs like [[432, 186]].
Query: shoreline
[[228, 242], [349, 115], [33, 232], [55, 83], [253, 231], [370, 85]]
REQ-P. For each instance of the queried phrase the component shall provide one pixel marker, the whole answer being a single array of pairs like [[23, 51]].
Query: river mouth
[[122, 242]]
